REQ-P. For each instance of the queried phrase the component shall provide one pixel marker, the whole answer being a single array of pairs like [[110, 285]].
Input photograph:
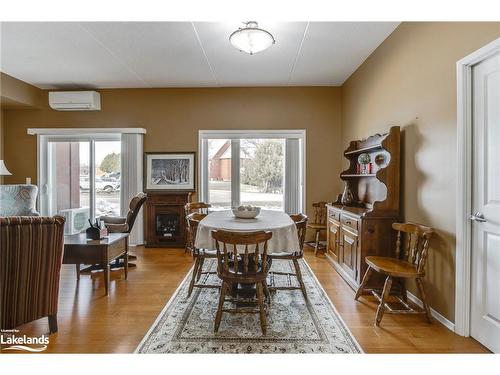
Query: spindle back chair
[[412, 250], [242, 258], [412, 244], [199, 207], [300, 221], [199, 256], [189, 208], [319, 213], [318, 224]]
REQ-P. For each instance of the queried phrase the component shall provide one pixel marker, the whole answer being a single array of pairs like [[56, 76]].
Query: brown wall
[[410, 80], [173, 117], [18, 94], [15, 94]]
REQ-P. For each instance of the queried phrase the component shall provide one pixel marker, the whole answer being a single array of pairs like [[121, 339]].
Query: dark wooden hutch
[[165, 223], [364, 227]]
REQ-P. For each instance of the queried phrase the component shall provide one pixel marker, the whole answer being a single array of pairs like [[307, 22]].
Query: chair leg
[[52, 323], [404, 293], [316, 246], [385, 295], [200, 268], [77, 271], [262, 310], [222, 297], [193, 276], [125, 265], [105, 271], [267, 294], [298, 274], [362, 286], [427, 309]]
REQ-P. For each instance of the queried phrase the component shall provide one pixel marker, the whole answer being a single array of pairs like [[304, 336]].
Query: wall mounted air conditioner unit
[[76, 220], [75, 100]]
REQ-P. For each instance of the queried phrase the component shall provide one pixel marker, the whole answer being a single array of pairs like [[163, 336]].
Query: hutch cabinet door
[[333, 239], [349, 252]]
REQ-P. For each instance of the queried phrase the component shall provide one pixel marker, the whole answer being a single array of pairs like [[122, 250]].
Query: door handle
[[479, 217]]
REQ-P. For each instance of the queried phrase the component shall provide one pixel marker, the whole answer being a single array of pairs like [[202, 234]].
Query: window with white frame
[[263, 168]]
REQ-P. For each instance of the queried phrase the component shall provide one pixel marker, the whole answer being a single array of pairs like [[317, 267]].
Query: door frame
[[464, 185]]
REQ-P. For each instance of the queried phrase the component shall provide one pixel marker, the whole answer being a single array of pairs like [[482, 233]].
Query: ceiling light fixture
[[251, 39]]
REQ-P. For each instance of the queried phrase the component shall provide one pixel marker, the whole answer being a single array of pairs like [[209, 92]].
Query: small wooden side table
[[78, 250]]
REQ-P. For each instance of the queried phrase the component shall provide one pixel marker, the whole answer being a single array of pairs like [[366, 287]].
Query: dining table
[[284, 239]]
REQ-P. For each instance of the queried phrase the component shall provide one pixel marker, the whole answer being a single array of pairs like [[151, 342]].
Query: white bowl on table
[[246, 214]]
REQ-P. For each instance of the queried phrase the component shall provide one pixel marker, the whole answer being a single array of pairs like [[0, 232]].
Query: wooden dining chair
[[242, 259], [300, 221], [318, 225], [199, 256], [189, 208], [199, 207], [412, 249]]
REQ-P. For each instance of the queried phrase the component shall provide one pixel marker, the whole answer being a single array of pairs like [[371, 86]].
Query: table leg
[[78, 272], [105, 268]]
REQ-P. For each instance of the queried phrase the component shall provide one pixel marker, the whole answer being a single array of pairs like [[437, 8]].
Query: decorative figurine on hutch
[[364, 161]]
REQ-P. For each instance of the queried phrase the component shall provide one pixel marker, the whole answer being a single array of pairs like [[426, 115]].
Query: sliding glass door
[[80, 178], [107, 177], [67, 194], [253, 168]]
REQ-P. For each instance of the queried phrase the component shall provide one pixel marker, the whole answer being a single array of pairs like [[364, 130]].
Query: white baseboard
[[441, 319]]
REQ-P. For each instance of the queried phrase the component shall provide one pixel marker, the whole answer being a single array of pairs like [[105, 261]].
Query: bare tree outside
[[264, 168]]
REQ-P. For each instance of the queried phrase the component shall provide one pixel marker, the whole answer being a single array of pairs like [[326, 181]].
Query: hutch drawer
[[349, 221], [333, 214]]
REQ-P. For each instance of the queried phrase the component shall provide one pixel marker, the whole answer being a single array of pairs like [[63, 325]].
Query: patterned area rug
[[294, 326]]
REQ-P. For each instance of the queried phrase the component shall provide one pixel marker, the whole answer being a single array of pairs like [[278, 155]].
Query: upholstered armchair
[[31, 250], [18, 200], [126, 224]]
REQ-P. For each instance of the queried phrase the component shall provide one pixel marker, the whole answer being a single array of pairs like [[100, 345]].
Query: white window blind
[[132, 180]]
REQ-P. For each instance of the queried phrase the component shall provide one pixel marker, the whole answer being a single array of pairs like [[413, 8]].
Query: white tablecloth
[[284, 239]]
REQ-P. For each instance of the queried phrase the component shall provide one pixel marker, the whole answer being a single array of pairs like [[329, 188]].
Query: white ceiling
[[183, 54]]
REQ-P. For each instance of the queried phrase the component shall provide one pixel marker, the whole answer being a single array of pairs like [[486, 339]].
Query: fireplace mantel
[[165, 224]]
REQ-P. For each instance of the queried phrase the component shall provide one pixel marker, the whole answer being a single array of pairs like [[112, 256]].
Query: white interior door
[[485, 284]]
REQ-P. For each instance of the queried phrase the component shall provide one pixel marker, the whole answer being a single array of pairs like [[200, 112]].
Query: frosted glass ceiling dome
[[251, 39]]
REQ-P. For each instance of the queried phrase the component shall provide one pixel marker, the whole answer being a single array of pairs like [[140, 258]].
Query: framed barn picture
[[169, 171]]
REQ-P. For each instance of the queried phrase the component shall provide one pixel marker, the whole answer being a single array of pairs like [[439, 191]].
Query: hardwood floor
[[397, 333], [90, 322]]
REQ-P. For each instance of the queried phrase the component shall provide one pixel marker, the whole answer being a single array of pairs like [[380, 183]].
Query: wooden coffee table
[[78, 250]]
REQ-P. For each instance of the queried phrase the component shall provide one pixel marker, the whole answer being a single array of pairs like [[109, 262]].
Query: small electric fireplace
[[167, 225], [165, 221]]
